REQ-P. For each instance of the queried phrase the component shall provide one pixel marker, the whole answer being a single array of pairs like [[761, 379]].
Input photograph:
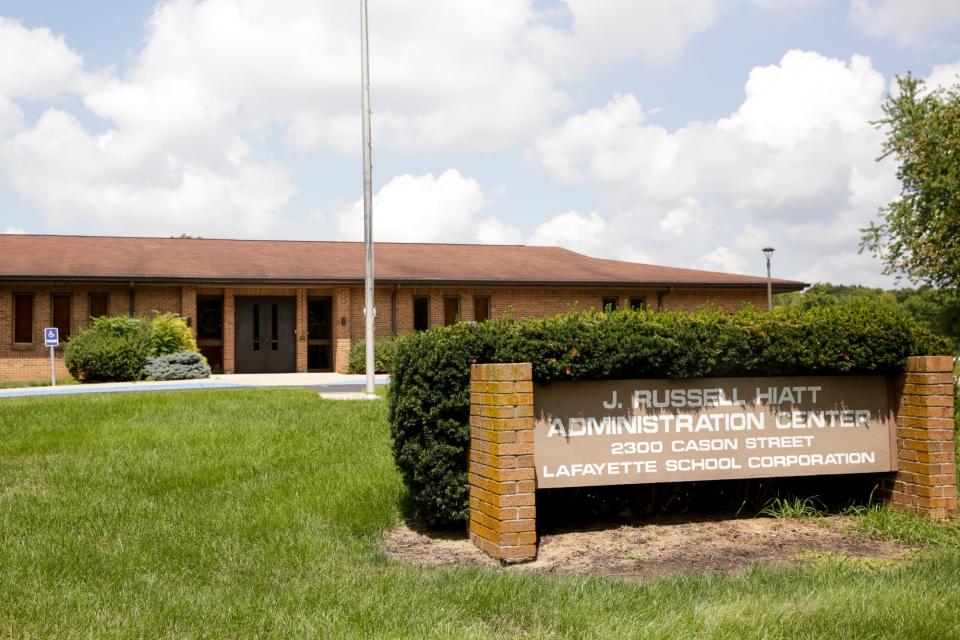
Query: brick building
[[279, 306]]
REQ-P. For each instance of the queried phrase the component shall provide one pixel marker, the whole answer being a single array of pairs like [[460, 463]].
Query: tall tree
[[919, 233]]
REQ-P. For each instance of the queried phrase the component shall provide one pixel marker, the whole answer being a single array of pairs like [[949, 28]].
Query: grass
[[793, 508], [258, 513], [880, 521]]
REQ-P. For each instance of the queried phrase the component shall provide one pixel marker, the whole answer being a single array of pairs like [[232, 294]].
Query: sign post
[[51, 338]]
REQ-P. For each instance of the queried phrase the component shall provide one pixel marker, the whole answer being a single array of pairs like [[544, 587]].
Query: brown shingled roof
[[43, 257]]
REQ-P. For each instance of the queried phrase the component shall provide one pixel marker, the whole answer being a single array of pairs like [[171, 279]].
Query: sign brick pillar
[[502, 479], [926, 480]]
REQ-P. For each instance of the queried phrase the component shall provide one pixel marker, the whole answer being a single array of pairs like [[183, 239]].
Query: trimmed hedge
[[182, 365], [110, 350], [430, 395], [384, 350]]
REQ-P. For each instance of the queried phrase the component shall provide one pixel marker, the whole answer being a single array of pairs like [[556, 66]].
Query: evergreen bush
[[171, 335], [182, 365], [384, 350], [110, 350], [430, 394]]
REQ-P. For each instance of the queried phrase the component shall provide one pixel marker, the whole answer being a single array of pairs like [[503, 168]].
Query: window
[[98, 305], [23, 318], [61, 313], [610, 304], [209, 317], [451, 310], [210, 330], [421, 313], [320, 334], [638, 304], [481, 309]]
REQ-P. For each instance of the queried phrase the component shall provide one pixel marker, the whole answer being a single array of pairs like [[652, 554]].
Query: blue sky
[[690, 133]]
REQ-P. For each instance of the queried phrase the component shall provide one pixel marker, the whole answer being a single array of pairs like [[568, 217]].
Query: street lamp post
[[768, 252]]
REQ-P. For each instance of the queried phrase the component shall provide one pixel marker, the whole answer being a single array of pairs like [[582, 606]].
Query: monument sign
[[641, 431]]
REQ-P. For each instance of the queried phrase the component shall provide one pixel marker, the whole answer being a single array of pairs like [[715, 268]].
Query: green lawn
[[258, 513]]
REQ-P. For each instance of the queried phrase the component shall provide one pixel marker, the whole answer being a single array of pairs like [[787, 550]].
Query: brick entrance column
[[229, 331], [502, 479], [926, 480], [188, 307], [301, 331]]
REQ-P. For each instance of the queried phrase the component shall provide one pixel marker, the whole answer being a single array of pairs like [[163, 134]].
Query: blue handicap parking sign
[[51, 337]]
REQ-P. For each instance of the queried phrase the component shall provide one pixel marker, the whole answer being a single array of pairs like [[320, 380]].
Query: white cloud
[[724, 259], [792, 166], [13, 230], [175, 144], [944, 75], [175, 148], [572, 230], [493, 231], [34, 63], [785, 5], [752, 239], [908, 22], [11, 118], [604, 31], [427, 208], [438, 70], [679, 220], [134, 181], [843, 268]]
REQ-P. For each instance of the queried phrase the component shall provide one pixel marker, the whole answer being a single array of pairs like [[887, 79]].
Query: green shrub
[[384, 350], [111, 350], [171, 335], [430, 396], [182, 365]]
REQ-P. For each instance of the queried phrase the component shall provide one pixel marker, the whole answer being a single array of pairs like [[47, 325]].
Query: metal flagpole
[[369, 310]]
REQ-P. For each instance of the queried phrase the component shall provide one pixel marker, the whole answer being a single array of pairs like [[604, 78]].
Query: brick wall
[[188, 307], [502, 480], [522, 302], [151, 300], [27, 366], [348, 322]]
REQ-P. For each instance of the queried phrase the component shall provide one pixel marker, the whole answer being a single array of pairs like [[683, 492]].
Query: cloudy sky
[[689, 133]]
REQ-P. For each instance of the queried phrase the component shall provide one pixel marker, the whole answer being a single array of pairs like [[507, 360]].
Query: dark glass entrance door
[[266, 334], [320, 334]]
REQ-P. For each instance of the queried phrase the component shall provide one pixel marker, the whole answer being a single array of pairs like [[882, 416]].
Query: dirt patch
[[667, 547]]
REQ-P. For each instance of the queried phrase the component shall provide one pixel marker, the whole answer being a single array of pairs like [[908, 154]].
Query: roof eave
[[779, 287]]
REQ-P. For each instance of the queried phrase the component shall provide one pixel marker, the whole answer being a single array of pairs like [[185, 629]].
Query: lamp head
[[768, 252]]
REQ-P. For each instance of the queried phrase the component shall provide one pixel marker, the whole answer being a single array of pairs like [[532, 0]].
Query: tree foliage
[[936, 310], [919, 233]]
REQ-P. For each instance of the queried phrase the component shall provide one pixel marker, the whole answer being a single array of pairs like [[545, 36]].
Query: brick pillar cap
[[502, 371], [929, 364]]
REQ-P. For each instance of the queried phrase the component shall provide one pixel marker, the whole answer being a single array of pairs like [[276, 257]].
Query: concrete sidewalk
[[323, 383]]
